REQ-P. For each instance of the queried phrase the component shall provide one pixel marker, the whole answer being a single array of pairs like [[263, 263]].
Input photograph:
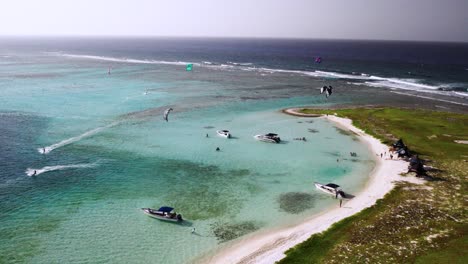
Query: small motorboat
[[224, 133], [270, 137], [331, 188], [164, 213]]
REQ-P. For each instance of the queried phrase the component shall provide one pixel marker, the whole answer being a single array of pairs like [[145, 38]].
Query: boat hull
[[160, 217], [323, 189], [265, 139], [223, 134]]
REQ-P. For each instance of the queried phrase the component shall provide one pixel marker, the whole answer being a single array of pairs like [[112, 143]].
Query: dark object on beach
[[311, 130], [416, 165], [217, 149], [401, 149], [207, 135], [399, 144]]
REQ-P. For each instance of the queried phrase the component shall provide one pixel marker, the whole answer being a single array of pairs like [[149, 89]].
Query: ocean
[[95, 107]]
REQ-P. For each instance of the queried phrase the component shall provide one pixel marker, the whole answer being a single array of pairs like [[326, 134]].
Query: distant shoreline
[[270, 247]]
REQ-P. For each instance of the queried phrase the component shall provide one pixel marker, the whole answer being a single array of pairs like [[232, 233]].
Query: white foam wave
[[240, 63], [462, 94], [127, 60], [48, 149], [412, 83], [30, 171], [341, 75]]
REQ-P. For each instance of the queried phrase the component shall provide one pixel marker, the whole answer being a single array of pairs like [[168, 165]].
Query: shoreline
[[269, 247]]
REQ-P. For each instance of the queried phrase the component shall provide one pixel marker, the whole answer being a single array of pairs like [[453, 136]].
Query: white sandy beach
[[270, 247]]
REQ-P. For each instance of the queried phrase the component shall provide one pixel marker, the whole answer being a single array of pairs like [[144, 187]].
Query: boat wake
[[48, 149], [30, 171]]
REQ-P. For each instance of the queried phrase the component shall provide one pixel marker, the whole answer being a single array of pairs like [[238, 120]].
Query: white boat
[[164, 213], [224, 133], [331, 188], [270, 137]]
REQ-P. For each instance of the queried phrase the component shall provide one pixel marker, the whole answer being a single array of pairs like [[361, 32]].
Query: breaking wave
[[363, 78], [126, 60]]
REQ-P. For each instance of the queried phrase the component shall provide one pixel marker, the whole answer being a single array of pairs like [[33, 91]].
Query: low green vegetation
[[413, 223]]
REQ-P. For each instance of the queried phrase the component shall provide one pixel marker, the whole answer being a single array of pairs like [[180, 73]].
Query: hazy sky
[[440, 20]]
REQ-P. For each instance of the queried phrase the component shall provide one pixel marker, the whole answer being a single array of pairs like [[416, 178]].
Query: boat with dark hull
[[270, 138], [164, 213]]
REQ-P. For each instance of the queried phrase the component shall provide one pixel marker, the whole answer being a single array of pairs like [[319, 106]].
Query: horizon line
[[218, 37]]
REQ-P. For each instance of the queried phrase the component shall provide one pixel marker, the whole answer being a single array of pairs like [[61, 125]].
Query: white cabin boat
[[224, 133], [164, 213], [331, 188]]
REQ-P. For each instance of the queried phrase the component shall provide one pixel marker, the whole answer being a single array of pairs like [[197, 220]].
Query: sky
[[425, 20]]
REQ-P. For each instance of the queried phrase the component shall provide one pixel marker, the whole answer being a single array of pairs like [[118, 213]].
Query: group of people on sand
[[382, 155]]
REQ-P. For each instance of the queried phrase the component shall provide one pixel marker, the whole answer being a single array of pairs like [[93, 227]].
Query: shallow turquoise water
[[123, 157]]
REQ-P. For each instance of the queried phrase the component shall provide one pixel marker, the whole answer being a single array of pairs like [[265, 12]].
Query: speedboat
[[164, 213], [224, 133], [270, 137], [331, 188]]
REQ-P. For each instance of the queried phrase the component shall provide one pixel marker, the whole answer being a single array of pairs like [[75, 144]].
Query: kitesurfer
[[34, 174], [166, 114]]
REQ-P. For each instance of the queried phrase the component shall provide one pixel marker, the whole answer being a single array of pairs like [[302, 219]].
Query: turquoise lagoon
[[111, 153]]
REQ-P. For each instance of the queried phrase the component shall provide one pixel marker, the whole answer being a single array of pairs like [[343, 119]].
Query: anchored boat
[[224, 133], [331, 188], [164, 213], [270, 137]]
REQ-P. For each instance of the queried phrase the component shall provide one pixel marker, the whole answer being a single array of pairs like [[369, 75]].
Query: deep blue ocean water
[[109, 152]]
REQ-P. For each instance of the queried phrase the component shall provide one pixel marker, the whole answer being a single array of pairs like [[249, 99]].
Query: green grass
[[422, 224]]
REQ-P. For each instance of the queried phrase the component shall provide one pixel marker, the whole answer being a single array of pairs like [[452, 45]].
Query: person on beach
[[206, 134], [341, 202], [381, 155], [391, 156]]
